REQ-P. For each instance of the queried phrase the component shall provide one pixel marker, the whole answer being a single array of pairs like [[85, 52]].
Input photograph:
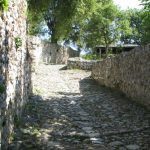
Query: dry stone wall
[[128, 72], [79, 63], [56, 54], [15, 74], [35, 50]]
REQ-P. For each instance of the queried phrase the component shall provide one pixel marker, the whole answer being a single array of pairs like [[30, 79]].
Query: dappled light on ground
[[70, 111]]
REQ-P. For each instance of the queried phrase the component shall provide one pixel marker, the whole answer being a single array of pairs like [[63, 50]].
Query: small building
[[98, 50]]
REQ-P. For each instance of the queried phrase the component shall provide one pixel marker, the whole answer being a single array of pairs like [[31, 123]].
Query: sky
[[124, 4]]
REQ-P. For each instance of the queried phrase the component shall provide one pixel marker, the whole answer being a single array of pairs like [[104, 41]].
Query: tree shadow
[[55, 122], [47, 124], [17, 89], [63, 68]]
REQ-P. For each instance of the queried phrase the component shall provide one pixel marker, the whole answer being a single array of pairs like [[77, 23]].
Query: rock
[[133, 147], [94, 135], [53, 144], [122, 148], [115, 143], [87, 129], [62, 123], [96, 140]]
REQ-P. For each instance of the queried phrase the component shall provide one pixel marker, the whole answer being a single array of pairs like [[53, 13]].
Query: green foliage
[[146, 22], [62, 15], [134, 19], [17, 121], [109, 54], [34, 22], [2, 88], [91, 57], [59, 15], [4, 4], [89, 22], [103, 26], [36, 9], [18, 42]]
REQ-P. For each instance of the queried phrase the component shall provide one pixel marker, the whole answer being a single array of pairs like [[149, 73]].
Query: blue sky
[[124, 4]]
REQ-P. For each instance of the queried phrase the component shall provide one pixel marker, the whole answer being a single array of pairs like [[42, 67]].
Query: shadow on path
[[96, 118]]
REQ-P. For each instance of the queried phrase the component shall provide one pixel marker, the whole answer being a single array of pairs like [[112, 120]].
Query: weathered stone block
[[15, 73], [79, 63]]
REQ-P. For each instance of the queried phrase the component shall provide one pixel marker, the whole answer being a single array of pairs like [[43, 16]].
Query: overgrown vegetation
[[4, 4], [91, 57], [94, 56], [18, 42]]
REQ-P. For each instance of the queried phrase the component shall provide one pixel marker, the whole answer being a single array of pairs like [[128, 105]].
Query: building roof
[[116, 46]]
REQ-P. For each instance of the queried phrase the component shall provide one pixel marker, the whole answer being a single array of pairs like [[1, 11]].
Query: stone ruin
[[57, 54]]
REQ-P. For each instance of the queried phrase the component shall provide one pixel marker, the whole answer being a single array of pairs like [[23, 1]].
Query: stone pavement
[[70, 111]]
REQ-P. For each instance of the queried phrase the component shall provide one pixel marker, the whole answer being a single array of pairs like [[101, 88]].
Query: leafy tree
[[105, 26], [36, 8], [60, 15], [146, 22], [134, 19]]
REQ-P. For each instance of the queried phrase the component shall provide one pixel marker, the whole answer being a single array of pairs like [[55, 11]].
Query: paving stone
[[94, 135], [70, 111], [116, 143], [87, 129], [122, 148], [133, 147], [96, 140]]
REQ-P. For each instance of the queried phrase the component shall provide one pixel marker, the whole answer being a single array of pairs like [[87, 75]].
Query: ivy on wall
[[18, 42], [4, 4]]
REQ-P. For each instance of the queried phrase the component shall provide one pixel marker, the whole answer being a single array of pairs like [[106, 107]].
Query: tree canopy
[[59, 15], [90, 22], [134, 19], [146, 21]]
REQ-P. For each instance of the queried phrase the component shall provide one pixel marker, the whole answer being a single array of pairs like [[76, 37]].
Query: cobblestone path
[[69, 111]]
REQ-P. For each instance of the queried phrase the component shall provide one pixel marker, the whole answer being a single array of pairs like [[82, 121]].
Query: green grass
[[91, 57]]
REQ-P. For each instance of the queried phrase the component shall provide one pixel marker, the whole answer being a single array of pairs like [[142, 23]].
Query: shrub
[[91, 57]]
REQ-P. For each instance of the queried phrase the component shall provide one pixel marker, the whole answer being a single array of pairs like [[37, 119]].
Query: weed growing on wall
[[18, 42]]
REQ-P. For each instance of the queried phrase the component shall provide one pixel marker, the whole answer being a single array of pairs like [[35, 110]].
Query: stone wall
[[128, 72], [56, 54], [79, 63], [35, 50], [15, 75]]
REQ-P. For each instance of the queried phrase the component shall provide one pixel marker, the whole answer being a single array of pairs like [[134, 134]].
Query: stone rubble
[[70, 111], [80, 63]]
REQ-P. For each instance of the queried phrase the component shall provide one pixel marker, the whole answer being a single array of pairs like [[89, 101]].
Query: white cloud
[[124, 4]]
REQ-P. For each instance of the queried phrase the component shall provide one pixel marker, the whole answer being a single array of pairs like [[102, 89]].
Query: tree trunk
[[106, 49], [51, 27], [53, 37]]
